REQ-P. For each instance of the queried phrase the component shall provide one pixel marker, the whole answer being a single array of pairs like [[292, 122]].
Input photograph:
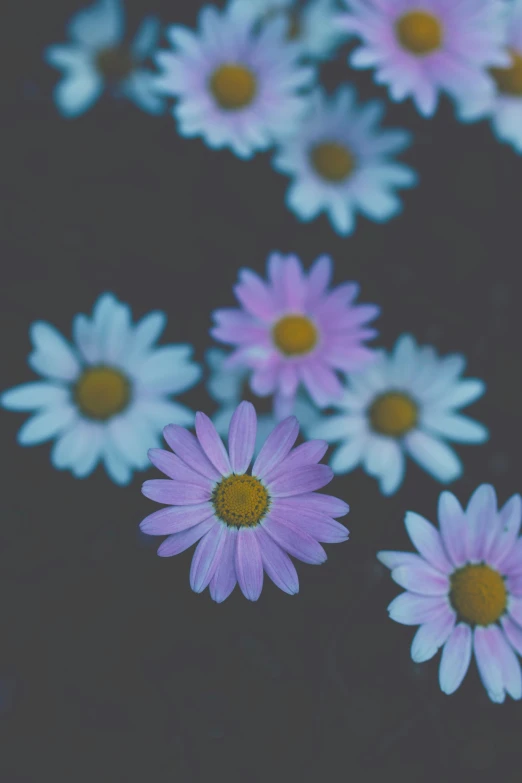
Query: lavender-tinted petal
[[306, 479], [412, 609], [212, 444], [249, 566], [515, 609], [509, 665], [456, 657], [276, 447], [432, 635], [186, 446], [392, 559], [481, 514], [174, 519], [510, 516], [206, 557], [306, 454], [453, 528], [513, 633], [277, 564], [174, 467], [428, 542], [485, 645], [320, 526], [295, 541], [225, 579], [242, 436], [178, 542], [316, 501], [422, 579], [174, 493]]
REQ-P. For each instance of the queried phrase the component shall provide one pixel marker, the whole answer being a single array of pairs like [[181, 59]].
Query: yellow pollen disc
[[332, 161], [114, 63], [509, 80], [233, 86], [240, 501], [294, 335], [393, 414], [419, 32], [101, 392], [478, 594]]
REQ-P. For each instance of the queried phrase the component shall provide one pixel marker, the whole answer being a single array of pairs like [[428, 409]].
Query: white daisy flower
[[98, 58], [340, 161], [238, 88], [226, 385], [422, 47], [405, 403], [107, 396], [311, 25]]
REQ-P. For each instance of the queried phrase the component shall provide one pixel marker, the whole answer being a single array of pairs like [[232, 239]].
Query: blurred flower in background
[[226, 385], [107, 397], [246, 523], [405, 403], [98, 59], [464, 589], [237, 88], [310, 25], [291, 331], [422, 47], [340, 162]]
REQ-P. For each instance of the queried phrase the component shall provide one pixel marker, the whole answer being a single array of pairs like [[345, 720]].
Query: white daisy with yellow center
[[107, 397], [341, 164], [98, 58], [406, 403], [237, 87]]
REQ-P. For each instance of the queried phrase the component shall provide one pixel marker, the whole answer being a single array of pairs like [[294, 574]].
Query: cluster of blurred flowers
[[294, 339], [248, 79]]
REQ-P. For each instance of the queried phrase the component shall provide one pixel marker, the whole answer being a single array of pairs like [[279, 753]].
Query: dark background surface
[[111, 669]]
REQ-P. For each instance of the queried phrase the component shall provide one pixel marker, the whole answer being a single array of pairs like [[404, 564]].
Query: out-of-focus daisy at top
[[420, 47], [236, 87], [246, 521], [107, 396], [340, 162], [464, 589], [310, 25], [98, 58], [292, 331], [226, 385], [406, 403]]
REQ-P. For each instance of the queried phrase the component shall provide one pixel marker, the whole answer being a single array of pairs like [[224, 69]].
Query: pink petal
[[412, 609], [306, 454], [237, 328], [242, 436], [392, 559], [254, 295], [293, 284], [178, 542], [509, 665], [174, 492], [173, 519], [456, 657], [319, 279], [422, 579], [188, 449], [306, 479], [453, 528], [432, 635], [206, 557], [427, 540], [513, 633], [174, 467], [481, 514], [321, 383], [224, 579], [249, 566], [276, 447], [316, 501], [294, 541], [486, 644], [515, 609], [212, 444], [277, 564], [510, 517]]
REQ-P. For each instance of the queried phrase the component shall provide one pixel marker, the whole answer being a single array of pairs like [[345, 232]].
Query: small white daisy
[[237, 88], [420, 47], [107, 397], [98, 58], [405, 403], [311, 25], [226, 385], [340, 162]]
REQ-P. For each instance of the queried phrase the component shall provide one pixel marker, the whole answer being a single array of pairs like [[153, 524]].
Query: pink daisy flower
[[464, 588], [246, 522], [420, 47], [293, 331]]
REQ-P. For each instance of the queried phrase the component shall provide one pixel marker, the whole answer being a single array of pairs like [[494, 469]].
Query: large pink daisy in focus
[[292, 330], [246, 522], [464, 589]]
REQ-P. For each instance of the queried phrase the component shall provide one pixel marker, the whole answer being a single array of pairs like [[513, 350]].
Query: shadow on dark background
[[111, 668]]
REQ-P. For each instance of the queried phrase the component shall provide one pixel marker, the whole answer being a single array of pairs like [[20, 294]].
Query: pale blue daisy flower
[[106, 397], [237, 87], [405, 403], [340, 162], [226, 385], [98, 58]]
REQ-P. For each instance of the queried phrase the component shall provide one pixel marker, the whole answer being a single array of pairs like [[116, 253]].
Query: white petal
[[432, 635], [456, 657], [455, 427], [77, 91], [45, 425], [347, 456], [52, 355], [29, 396], [434, 456], [146, 37], [99, 25], [485, 644]]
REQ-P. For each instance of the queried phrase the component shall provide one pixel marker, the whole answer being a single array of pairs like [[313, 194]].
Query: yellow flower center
[[419, 32], [332, 161], [240, 501], [294, 335], [478, 594], [233, 86], [509, 80], [114, 63], [393, 413], [102, 392]]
